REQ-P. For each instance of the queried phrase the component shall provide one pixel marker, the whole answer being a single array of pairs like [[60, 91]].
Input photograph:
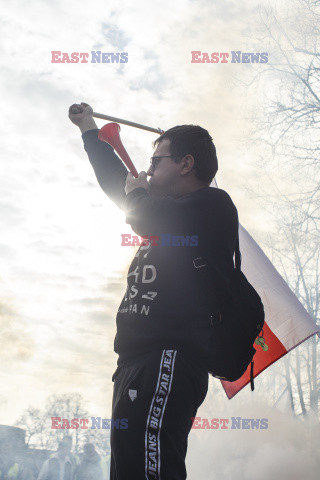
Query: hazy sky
[[62, 267]]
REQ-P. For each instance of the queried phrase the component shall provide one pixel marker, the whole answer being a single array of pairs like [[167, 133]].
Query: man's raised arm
[[109, 169]]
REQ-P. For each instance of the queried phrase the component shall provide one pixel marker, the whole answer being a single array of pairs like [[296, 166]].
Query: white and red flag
[[287, 323]]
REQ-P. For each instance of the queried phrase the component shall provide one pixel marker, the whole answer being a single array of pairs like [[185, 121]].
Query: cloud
[[116, 37], [17, 342]]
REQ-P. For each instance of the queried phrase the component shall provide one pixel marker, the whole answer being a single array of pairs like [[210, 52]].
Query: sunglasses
[[154, 161]]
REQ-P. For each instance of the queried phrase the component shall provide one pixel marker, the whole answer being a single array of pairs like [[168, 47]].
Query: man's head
[[89, 450], [184, 160]]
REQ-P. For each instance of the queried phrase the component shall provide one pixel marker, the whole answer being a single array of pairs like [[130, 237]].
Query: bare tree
[[38, 424], [34, 423], [67, 406]]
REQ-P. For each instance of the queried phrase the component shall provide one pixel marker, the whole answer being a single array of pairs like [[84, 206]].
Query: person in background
[[89, 467], [9, 467], [59, 466], [74, 459]]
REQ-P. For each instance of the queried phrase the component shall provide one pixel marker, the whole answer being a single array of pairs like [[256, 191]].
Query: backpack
[[236, 322]]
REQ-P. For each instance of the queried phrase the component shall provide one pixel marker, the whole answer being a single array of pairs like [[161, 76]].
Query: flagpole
[[127, 122]]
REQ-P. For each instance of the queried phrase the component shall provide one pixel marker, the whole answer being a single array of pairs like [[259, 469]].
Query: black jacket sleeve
[[109, 169], [148, 214]]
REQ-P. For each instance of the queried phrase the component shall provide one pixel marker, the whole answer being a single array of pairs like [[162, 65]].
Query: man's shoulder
[[214, 197], [213, 191]]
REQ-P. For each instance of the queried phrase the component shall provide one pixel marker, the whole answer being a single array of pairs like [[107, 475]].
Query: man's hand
[[81, 115], [132, 182]]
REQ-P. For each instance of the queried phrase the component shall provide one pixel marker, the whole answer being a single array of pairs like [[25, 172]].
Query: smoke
[[286, 450]]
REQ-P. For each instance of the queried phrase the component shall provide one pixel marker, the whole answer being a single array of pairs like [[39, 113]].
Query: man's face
[[166, 173]]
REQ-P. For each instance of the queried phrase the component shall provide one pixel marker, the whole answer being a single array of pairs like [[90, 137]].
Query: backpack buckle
[[198, 262]]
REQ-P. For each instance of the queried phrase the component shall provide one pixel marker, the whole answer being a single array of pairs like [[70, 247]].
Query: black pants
[[158, 393]]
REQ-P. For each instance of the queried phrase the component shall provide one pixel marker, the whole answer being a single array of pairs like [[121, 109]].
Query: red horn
[[110, 134]]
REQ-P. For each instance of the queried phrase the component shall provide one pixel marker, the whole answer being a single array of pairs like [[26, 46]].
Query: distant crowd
[[61, 465]]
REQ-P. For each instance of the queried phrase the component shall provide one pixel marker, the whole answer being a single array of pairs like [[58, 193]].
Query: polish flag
[[287, 323]]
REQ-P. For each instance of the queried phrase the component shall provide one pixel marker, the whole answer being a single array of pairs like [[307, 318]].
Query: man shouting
[[164, 322]]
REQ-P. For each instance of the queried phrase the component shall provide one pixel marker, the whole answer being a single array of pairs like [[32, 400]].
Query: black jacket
[[164, 305]]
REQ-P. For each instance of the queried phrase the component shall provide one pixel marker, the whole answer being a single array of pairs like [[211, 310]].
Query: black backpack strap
[[251, 376], [205, 273], [237, 254]]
